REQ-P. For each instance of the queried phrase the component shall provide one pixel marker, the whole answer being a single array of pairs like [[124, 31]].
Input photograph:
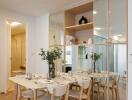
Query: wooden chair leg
[[117, 94], [98, 94], [103, 96], [112, 90]]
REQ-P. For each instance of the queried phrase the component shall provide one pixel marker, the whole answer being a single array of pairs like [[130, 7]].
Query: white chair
[[56, 92], [84, 85], [28, 94]]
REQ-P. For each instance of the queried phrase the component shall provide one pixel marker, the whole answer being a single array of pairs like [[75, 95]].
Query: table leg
[[92, 88], [17, 92], [34, 94]]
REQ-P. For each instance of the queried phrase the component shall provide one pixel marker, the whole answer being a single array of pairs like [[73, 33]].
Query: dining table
[[41, 82], [38, 82]]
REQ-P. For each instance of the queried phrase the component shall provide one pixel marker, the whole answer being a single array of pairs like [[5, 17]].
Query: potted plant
[[50, 56], [95, 57]]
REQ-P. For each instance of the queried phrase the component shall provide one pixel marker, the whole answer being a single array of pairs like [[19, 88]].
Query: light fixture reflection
[[94, 12], [116, 38], [15, 23], [98, 28]]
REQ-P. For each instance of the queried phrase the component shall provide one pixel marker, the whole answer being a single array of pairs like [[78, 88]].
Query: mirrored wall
[[106, 40], [110, 40]]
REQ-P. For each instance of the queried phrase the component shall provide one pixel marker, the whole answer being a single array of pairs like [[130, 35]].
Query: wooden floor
[[8, 96]]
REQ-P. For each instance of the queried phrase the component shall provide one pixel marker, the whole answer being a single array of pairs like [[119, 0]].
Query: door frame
[[9, 46]]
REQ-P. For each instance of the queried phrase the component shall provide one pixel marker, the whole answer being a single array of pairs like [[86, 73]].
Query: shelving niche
[[76, 33]]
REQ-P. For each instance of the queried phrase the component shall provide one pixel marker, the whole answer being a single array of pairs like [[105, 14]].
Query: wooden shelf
[[80, 27]]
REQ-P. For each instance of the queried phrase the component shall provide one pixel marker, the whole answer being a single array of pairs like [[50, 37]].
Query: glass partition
[[56, 29], [110, 39], [78, 57], [56, 37], [108, 43]]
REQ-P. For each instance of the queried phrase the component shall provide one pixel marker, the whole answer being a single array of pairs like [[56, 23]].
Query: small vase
[[83, 20], [51, 70]]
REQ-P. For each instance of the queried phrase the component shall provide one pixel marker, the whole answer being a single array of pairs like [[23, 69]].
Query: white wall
[[129, 49], [36, 37], [4, 43], [42, 41]]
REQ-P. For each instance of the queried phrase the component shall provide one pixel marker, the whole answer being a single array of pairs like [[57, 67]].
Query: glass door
[[110, 41]]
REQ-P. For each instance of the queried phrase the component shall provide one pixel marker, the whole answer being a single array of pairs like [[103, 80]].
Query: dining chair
[[100, 86], [114, 86], [85, 90], [57, 92], [75, 86], [28, 94]]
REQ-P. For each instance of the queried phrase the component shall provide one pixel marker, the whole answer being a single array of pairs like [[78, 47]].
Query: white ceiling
[[37, 7]]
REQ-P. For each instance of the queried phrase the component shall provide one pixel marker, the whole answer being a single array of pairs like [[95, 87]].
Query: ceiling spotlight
[[95, 32], [94, 12], [15, 23], [116, 38], [98, 28]]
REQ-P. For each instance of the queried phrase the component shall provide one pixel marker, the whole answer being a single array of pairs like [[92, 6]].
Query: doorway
[[18, 48]]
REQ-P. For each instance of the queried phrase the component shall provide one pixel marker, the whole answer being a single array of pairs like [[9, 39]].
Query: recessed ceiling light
[[97, 28], [94, 12], [116, 38], [95, 32], [15, 23]]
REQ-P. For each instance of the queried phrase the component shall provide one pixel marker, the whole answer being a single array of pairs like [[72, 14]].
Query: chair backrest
[[103, 80], [57, 89], [85, 83], [116, 78]]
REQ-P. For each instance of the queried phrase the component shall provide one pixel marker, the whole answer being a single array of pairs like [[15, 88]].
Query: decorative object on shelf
[[83, 20], [90, 41], [50, 56], [84, 42], [95, 57]]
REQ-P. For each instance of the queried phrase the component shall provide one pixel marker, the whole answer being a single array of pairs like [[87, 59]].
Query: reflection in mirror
[[78, 57], [56, 36], [110, 39], [56, 29], [118, 20], [100, 18], [106, 38]]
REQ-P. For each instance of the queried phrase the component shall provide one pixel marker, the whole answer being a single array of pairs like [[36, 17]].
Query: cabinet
[[76, 33]]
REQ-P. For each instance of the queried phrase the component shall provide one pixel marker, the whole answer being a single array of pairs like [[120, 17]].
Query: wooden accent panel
[[69, 19], [81, 9]]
